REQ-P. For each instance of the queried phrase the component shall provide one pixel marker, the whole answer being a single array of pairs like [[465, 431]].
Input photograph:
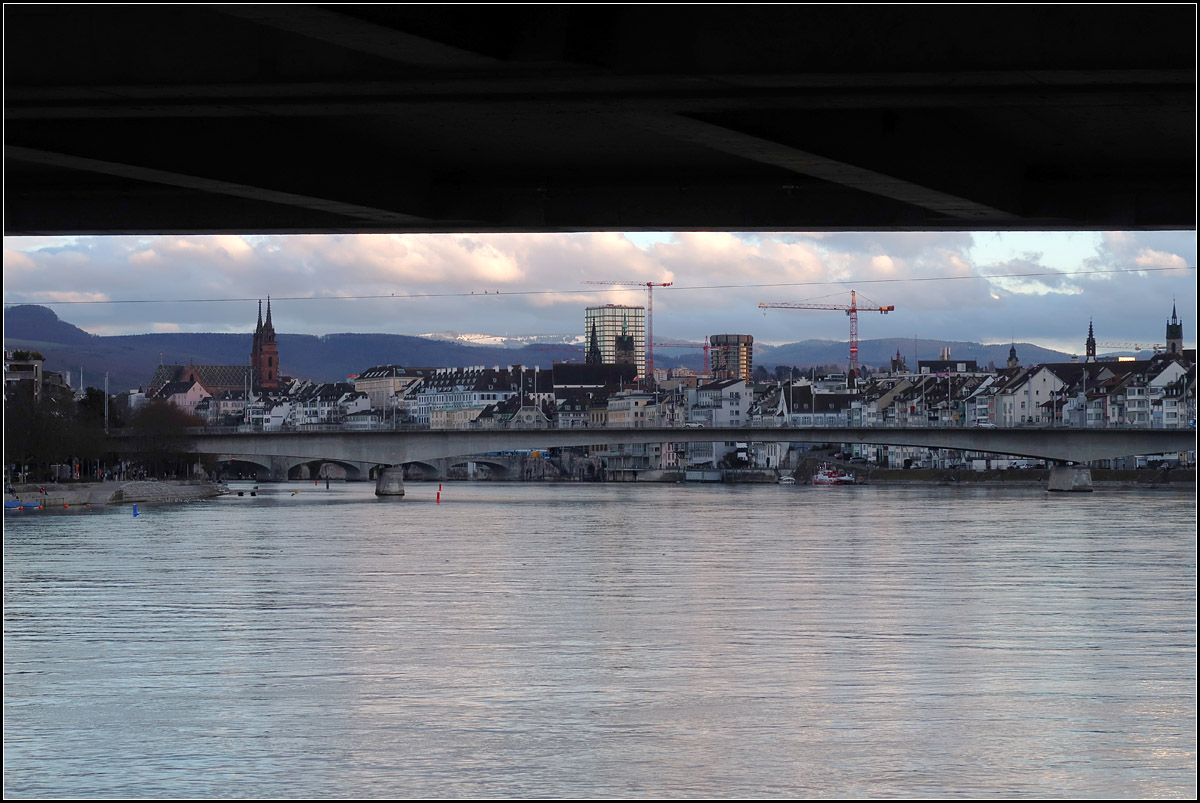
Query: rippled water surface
[[605, 640]]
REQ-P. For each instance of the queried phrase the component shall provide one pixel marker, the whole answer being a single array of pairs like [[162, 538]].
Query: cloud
[[1150, 258]]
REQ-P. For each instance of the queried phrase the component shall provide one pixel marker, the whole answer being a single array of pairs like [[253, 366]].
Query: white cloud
[[1150, 258]]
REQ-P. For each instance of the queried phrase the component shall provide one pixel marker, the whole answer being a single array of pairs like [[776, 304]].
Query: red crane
[[851, 310], [649, 317]]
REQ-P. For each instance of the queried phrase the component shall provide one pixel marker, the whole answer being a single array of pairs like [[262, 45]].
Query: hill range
[[130, 360]]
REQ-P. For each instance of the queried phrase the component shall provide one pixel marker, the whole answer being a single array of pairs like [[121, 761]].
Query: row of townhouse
[[1157, 392], [456, 397], [301, 405], [1152, 393]]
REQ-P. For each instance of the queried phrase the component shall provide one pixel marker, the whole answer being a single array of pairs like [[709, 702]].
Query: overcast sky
[[1040, 288]]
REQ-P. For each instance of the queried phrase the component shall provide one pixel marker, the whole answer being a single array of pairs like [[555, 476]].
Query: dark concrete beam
[[210, 186], [757, 149], [514, 118], [588, 91], [363, 36]]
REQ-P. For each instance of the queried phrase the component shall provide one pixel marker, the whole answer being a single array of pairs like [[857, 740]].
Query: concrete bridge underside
[[278, 468], [551, 118], [428, 446]]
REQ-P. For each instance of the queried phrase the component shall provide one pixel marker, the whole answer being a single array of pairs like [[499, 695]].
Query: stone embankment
[[1102, 477], [112, 493]]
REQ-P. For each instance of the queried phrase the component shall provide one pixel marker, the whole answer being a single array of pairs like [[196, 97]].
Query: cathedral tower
[[1091, 345], [264, 354]]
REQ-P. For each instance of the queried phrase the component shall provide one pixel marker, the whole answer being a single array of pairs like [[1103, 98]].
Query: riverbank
[[112, 493], [1183, 479]]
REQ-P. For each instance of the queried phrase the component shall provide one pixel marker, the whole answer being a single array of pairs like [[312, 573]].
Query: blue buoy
[[135, 509]]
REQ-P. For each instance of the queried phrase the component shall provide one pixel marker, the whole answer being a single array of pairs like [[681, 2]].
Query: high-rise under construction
[[732, 356]]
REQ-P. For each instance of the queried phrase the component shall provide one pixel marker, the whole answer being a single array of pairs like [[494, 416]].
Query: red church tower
[[264, 355]]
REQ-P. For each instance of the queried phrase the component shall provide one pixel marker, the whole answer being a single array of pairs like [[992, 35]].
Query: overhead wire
[[676, 287]]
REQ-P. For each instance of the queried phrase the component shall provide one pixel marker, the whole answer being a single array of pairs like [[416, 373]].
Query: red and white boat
[[832, 475]]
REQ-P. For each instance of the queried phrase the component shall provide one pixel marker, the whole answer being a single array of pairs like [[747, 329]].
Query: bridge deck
[[402, 446]]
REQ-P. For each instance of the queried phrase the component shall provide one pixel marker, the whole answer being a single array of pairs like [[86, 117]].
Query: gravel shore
[[112, 493]]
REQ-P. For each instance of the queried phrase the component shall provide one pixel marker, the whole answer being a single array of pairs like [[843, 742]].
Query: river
[[543, 640]]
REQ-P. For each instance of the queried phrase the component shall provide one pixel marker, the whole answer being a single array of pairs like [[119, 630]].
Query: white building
[[476, 387], [385, 385]]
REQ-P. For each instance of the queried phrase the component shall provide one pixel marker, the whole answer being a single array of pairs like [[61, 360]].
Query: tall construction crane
[[1155, 347], [649, 316], [704, 345], [851, 310]]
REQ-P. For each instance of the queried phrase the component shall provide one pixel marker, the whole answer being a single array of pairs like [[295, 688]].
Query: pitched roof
[[213, 378]]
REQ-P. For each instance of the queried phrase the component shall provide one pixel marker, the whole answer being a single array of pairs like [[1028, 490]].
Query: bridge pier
[[1070, 478], [390, 481]]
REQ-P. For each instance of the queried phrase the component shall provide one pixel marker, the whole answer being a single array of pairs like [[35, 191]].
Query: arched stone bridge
[[395, 448], [277, 468]]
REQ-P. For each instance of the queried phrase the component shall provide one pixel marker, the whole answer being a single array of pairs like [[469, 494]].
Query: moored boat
[[832, 475]]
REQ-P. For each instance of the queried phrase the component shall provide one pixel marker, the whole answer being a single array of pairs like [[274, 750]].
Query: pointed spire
[[1174, 341], [268, 323], [594, 357]]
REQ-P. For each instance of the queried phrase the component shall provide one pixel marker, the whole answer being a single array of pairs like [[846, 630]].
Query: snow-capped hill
[[503, 341]]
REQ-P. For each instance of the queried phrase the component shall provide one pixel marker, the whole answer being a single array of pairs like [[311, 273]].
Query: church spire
[[264, 353], [594, 357], [1174, 341], [1091, 344]]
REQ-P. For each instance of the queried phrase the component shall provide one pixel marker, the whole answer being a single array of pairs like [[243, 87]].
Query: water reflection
[[526, 640]]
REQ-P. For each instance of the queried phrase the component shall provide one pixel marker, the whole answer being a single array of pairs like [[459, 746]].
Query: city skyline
[[1038, 287]]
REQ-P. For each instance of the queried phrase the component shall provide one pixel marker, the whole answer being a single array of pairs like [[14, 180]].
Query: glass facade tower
[[611, 322]]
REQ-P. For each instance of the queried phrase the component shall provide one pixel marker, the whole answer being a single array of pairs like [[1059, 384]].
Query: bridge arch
[[495, 467], [242, 468], [423, 470], [354, 471]]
